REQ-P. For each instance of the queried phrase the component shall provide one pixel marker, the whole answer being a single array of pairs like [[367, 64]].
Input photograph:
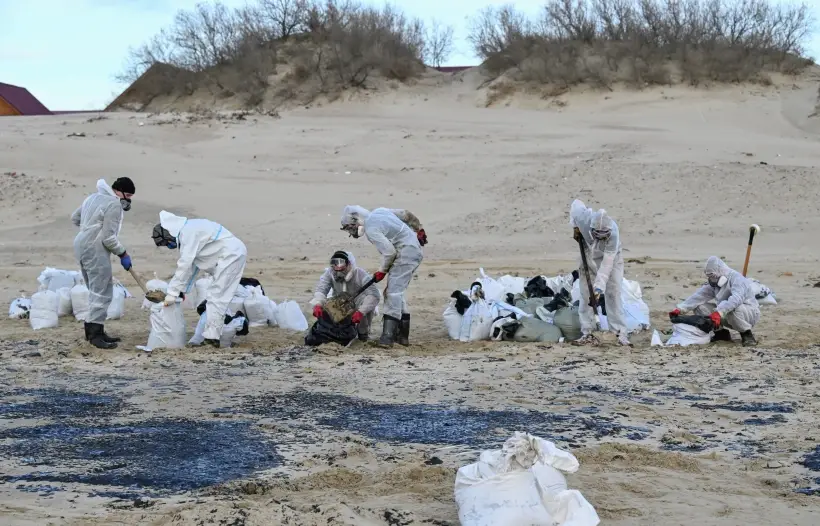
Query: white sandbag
[[237, 304], [64, 302], [243, 291], [683, 335], [636, 311], [575, 293], [512, 284], [493, 290], [229, 332], [656, 339], [167, 327], [521, 484], [54, 279], [477, 322], [44, 305], [79, 302], [274, 309], [763, 294], [289, 316], [257, 308], [116, 309], [20, 308], [452, 320], [154, 284]]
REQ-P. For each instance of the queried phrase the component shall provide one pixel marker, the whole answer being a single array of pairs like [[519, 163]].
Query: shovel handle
[[138, 279], [364, 288]]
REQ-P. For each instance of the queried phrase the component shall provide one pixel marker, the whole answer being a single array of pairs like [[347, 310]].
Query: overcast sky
[[66, 52]]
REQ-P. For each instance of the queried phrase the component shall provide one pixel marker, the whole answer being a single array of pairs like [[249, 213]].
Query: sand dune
[[683, 171]]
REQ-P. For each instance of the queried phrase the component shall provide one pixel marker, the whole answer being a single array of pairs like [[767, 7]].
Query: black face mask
[[125, 203]]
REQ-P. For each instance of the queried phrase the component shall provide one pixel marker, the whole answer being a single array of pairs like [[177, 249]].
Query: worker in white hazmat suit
[[207, 246], [100, 219], [343, 276], [606, 265], [398, 236], [728, 299]]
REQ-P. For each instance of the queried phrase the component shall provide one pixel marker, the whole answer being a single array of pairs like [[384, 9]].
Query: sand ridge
[[684, 172]]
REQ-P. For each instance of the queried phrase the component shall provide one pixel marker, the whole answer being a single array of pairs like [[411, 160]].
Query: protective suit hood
[[172, 223], [354, 215], [579, 213], [716, 267], [105, 189]]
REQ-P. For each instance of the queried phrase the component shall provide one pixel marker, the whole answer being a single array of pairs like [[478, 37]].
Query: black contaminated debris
[[757, 421], [435, 424], [812, 460], [751, 407], [161, 454], [59, 404]]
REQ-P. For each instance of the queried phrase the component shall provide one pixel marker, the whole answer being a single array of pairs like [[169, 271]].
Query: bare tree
[[285, 17], [438, 44]]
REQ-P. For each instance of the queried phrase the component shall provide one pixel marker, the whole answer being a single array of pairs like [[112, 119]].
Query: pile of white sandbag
[[477, 321], [62, 293], [522, 483]]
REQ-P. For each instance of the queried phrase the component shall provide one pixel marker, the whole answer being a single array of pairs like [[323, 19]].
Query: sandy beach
[[272, 432]]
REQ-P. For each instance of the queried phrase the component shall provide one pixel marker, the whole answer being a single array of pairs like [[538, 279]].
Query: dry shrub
[[644, 42], [337, 43]]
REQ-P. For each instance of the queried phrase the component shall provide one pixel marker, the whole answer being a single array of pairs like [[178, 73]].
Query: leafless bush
[[338, 43], [644, 41]]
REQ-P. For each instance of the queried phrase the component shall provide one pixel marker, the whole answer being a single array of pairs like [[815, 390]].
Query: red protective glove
[[422, 237], [379, 276], [715, 317], [317, 311], [675, 312], [357, 317]]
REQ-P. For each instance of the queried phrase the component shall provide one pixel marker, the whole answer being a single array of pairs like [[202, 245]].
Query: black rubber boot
[[212, 343], [748, 339], [86, 325], [363, 337], [404, 330], [722, 335], [110, 339], [390, 328], [95, 336]]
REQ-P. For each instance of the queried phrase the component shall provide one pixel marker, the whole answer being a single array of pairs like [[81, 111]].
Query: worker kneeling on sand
[[344, 277], [207, 246], [100, 219], [398, 236], [602, 242], [728, 299]]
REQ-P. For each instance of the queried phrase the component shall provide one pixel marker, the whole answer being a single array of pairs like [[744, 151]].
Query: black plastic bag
[[462, 301], [704, 323], [537, 288], [326, 331]]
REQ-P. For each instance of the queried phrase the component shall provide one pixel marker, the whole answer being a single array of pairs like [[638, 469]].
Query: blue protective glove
[[125, 260]]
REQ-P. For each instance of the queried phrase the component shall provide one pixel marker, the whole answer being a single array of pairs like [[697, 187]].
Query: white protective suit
[[213, 249], [606, 267], [735, 300], [388, 230], [353, 281], [100, 219]]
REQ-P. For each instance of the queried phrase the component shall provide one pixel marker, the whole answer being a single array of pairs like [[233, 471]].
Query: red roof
[[22, 100]]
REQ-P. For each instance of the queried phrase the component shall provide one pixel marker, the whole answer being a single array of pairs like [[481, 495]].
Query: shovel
[[150, 296]]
